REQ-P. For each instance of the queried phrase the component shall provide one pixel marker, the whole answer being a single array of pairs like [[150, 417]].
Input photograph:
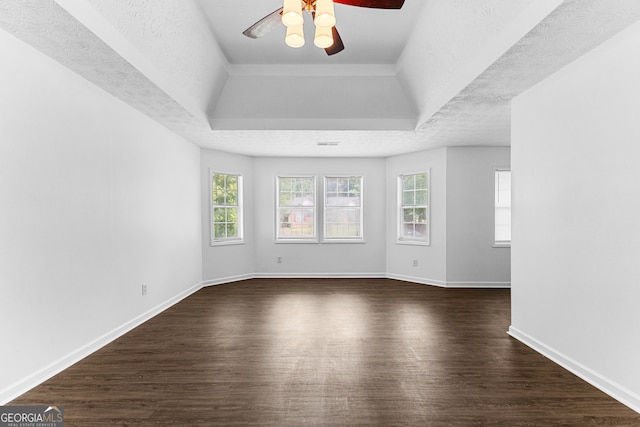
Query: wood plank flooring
[[327, 352]]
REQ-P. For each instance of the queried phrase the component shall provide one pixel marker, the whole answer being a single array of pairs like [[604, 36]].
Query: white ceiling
[[370, 36], [436, 73]]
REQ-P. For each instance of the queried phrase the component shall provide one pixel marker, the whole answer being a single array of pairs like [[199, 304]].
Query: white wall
[[227, 262], [95, 199], [576, 235], [432, 260], [472, 260], [461, 252], [326, 259]]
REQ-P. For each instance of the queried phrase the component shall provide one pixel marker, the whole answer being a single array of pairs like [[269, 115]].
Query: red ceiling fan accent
[[375, 4], [273, 19]]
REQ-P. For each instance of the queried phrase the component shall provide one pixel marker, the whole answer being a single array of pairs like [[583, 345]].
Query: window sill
[[501, 245], [297, 241], [412, 243], [227, 243], [342, 241]]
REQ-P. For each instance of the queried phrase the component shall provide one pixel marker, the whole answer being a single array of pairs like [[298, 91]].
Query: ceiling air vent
[[327, 144]]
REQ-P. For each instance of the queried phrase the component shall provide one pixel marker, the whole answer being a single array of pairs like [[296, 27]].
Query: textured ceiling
[[139, 58], [370, 36]]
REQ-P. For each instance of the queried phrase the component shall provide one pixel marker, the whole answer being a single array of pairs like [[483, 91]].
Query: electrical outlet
[[415, 262], [279, 260], [144, 289]]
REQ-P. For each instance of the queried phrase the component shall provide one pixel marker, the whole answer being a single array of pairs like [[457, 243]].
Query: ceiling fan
[[327, 37]]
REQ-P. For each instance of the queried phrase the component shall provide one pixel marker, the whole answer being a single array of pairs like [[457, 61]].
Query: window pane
[[332, 185], [301, 222], [332, 229], [231, 198], [420, 230], [285, 184], [413, 209], [343, 185], [285, 199], [408, 230], [218, 180], [232, 230], [307, 200], [284, 215], [232, 215], [296, 192], [332, 215], [225, 198], [408, 214], [218, 214], [502, 232], [296, 215], [353, 216], [408, 182], [408, 198], [219, 231], [354, 186], [342, 212], [421, 181]]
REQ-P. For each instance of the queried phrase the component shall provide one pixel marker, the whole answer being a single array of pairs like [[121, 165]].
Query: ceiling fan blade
[[376, 4], [337, 45], [264, 25]]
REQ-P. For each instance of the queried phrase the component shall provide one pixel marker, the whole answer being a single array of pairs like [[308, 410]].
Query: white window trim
[[498, 243], [399, 214], [298, 240], [228, 241], [324, 215]]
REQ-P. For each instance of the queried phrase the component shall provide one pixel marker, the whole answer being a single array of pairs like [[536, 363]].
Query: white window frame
[[301, 239], [400, 237], [497, 205], [212, 206], [326, 206]]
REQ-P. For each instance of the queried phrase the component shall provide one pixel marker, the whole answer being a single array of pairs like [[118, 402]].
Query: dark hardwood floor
[[327, 353]]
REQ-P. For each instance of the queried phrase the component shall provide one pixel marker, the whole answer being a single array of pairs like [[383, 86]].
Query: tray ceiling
[[436, 73]]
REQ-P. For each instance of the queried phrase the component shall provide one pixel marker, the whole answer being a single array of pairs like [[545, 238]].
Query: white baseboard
[[480, 285], [418, 280], [230, 279], [613, 389], [448, 284], [22, 386], [319, 276]]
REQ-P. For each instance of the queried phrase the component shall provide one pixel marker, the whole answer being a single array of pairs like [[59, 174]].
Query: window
[[226, 208], [296, 204], [503, 207], [413, 201], [343, 208]]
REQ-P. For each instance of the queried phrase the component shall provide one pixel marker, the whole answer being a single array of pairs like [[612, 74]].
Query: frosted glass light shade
[[295, 36], [325, 15], [292, 13], [324, 37]]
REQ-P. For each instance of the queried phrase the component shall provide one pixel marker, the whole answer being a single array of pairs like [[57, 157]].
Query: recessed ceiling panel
[[370, 36]]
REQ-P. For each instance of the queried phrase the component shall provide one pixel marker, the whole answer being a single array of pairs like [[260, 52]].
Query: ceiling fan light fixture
[[325, 14], [323, 38], [292, 13], [295, 36]]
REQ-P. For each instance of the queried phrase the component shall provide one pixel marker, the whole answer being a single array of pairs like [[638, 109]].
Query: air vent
[[327, 144]]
